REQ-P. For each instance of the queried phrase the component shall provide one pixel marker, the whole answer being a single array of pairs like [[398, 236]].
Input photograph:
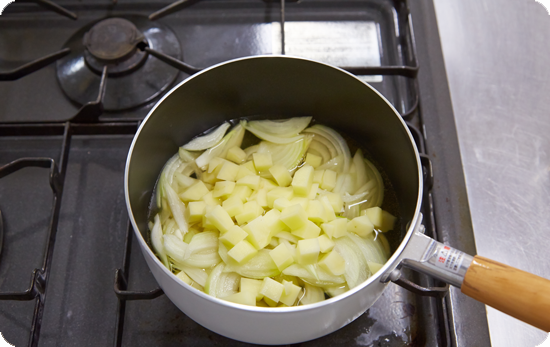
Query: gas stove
[[69, 271]]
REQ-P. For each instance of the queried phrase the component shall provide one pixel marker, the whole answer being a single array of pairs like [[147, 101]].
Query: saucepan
[[278, 87]]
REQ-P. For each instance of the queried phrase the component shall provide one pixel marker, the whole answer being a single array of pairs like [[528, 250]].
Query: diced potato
[[318, 176], [220, 219], [251, 211], [272, 221], [360, 225], [282, 257], [243, 298], [244, 171], [258, 234], [223, 189], [252, 286], [374, 267], [233, 236], [307, 251], [313, 192], [195, 192], [250, 166], [241, 192], [261, 197], [184, 182], [294, 217], [270, 303], [329, 211], [281, 175], [329, 180], [228, 171], [333, 263], [206, 222], [300, 200], [308, 231], [335, 201], [380, 219], [325, 244], [281, 203], [236, 155], [268, 184], [336, 228], [196, 210], [302, 180], [272, 289], [286, 236], [251, 181], [242, 252], [313, 160], [316, 212], [215, 163], [290, 293], [210, 200], [233, 205], [262, 161], [280, 192]]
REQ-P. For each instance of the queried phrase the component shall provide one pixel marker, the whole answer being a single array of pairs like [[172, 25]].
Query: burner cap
[[112, 39]]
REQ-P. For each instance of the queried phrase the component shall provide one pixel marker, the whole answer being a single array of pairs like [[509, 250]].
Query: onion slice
[[210, 139], [280, 128], [232, 139], [289, 155], [336, 140], [272, 138]]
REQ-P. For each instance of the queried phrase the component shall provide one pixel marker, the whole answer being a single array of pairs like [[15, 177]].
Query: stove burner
[[135, 78]]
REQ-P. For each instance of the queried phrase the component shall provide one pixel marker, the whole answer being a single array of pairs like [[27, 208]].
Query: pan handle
[[515, 292]]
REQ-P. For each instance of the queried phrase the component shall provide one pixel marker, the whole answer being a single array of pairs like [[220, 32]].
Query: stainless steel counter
[[497, 60]]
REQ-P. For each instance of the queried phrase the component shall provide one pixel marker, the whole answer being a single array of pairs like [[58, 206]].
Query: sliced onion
[[321, 149], [323, 278], [333, 164], [220, 283], [312, 295], [198, 275], [175, 247], [156, 240], [281, 128], [372, 171], [178, 209], [371, 250], [270, 137], [289, 155], [208, 140], [336, 140], [353, 198], [357, 270], [205, 241], [232, 139], [361, 174], [251, 150], [259, 267]]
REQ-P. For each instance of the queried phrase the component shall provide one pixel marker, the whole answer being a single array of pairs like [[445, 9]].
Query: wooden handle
[[517, 293]]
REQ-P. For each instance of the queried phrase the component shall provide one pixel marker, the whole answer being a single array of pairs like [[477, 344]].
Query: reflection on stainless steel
[[143, 79], [496, 55]]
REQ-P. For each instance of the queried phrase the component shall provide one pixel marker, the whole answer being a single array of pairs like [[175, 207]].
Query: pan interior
[[273, 87]]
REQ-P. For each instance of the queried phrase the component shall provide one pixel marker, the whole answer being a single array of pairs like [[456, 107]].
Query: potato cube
[[360, 225], [236, 155], [272, 221], [262, 161], [195, 192], [318, 176], [251, 181], [233, 236], [313, 192], [329, 211], [210, 200], [215, 163], [294, 217], [272, 289], [220, 219], [206, 222], [233, 205], [243, 298], [286, 236], [336, 228], [329, 180], [252, 286], [228, 171], [302, 180], [196, 210], [244, 171], [380, 219], [310, 230], [300, 200], [184, 182], [223, 189], [325, 244], [374, 267], [281, 256], [290, 293], [281, 175], [316, 212], [307, 251], [333, 263], [250, 166], [335, 201], [280, 192], [251, 211], [280, 204], [313, 160], [268, 184], [241, 192], [261, 197], [258, 234], [242, 252]]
